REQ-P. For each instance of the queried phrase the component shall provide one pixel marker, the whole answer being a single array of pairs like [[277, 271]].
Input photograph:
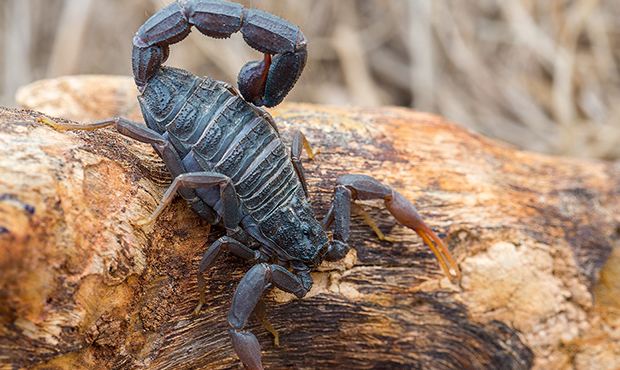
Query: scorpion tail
[[261, 83]]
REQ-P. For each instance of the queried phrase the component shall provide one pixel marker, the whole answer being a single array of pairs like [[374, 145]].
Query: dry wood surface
[[536, 238]]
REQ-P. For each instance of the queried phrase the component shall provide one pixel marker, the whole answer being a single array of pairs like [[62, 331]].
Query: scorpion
[[228, 161]]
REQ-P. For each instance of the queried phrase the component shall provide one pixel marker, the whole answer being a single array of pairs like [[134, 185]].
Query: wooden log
[[82, 288]]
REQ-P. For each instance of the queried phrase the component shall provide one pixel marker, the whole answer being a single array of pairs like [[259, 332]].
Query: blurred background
[[543, 75]]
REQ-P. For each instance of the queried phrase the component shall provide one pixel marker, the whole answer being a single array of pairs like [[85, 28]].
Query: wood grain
[[83, 288]]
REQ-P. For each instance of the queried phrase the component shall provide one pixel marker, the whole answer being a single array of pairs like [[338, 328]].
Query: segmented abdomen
[[240, 144], [226, 135]]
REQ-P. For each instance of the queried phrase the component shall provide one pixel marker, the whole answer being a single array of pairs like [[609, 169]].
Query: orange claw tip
[[447, 263], [48, 122]]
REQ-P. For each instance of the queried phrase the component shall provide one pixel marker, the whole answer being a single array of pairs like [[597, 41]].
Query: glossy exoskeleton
[[228, 160]]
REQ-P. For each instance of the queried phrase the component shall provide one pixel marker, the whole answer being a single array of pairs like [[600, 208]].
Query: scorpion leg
[[362, 187], [260, 311], [144, 134], [225, 243], [248, 294], [357, 208], [339, 216], [130, 129], [198, 180], [299, 144]]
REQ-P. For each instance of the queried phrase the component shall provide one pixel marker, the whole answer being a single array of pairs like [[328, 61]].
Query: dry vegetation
[[543, 75]]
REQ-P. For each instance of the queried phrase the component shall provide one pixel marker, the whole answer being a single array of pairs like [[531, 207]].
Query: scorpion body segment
[[229, 163]]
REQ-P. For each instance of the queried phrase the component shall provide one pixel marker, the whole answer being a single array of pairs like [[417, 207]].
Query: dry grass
[[543, 75]]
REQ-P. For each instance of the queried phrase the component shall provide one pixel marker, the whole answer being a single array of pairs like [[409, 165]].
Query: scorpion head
[[315, 239], [295, 230], [306, 234]]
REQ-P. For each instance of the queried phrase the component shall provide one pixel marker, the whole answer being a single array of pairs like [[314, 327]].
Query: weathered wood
[[83, 288]]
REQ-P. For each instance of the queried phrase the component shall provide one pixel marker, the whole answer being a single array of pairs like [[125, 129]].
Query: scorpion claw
[[406, 213], [247, 348], [364, 187]]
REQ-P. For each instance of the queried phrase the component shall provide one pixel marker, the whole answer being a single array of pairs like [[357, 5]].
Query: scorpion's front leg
[[162, 146], [130, 129], [248, 293], [362, 187]]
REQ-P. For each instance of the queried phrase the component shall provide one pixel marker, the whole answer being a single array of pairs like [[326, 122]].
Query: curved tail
[[264, 82]]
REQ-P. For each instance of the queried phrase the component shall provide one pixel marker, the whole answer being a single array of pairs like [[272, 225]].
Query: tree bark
[[536, 238]]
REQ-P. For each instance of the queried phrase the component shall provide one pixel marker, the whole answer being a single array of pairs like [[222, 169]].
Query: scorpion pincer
[[229, 163]]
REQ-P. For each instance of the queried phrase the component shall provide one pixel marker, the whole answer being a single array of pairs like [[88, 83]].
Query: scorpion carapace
[[229, 163]]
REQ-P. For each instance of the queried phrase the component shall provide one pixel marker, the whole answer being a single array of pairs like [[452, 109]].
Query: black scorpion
[[230, 165]]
